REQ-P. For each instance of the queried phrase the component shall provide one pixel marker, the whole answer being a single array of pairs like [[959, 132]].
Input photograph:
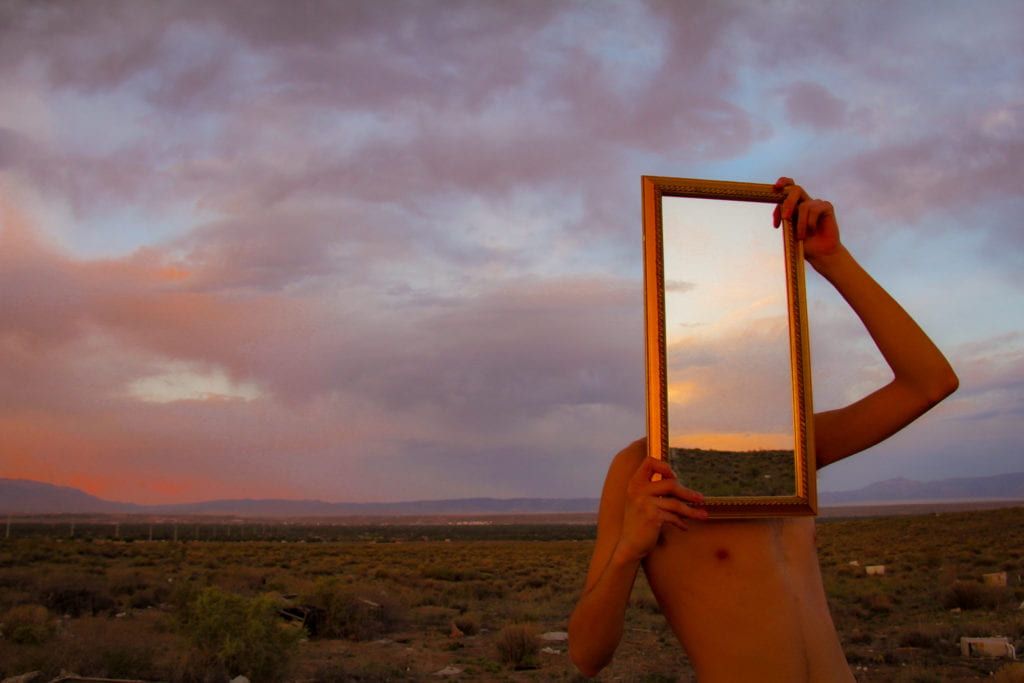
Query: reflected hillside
[[735, 473]]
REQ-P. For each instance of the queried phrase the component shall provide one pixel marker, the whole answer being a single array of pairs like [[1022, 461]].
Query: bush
[[77, 596], [973, 595], [518, 646], [28, 625], [935, 637], [468, 623], [232, 635], [338, 611], [1010, 673]]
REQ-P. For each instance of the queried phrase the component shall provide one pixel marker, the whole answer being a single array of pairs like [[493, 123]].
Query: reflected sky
[[726, 326]]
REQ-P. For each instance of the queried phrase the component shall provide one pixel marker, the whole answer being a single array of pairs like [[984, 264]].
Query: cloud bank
[[364, 251]]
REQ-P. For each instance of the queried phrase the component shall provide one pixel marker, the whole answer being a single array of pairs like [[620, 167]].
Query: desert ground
[[458, 599]]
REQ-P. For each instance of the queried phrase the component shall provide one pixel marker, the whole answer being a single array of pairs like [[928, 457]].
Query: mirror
[[728, 371]]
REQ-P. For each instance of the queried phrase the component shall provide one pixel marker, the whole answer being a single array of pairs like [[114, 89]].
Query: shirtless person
[[745, 597]]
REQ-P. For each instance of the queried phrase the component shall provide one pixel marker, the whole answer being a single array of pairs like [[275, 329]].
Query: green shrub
[[231, 634]]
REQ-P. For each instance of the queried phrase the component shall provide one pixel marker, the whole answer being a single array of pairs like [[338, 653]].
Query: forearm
[[595, 627], [915, 361], [921, 375]]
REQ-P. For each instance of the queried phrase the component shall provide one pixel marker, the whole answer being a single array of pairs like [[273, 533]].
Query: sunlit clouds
[[391, 251]]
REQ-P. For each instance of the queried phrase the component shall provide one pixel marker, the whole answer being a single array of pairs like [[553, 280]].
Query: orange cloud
[[733, 442]]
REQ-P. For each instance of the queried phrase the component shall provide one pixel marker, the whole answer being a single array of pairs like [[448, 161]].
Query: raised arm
[[922, 376], [633, 509]]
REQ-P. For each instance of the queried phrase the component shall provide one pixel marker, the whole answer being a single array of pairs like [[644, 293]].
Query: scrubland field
[[458, 602]]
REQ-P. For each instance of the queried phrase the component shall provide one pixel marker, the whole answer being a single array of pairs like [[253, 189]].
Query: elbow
[[587, 659], [932, 387], [942, 385], [952, 384], [588, 667]]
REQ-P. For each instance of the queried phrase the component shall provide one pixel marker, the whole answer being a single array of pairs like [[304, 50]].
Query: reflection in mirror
[[730, 416], [728, 373]]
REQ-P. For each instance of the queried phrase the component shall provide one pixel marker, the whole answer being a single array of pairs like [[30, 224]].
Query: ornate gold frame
[[653, 189]]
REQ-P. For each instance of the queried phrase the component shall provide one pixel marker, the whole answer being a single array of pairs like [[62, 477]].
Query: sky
[[388, 251]]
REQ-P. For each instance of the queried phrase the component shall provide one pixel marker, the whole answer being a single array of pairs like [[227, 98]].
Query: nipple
[[722, 554]]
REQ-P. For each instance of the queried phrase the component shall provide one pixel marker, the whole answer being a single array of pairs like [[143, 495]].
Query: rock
[[875, 569], [455, 632], [555, 636], [239, 679], [448, 671], [550, 651]]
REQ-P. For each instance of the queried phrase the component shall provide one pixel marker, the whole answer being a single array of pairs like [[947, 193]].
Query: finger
[[651, 466], [800, 223], [674, 520], [794, 195], [679, 509], [813, 212], [817, 210], [674, 489], [778, 186]]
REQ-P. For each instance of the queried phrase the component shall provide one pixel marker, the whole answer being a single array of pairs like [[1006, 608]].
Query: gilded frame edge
[[653, 188]]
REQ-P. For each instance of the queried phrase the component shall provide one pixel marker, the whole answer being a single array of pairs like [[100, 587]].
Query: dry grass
[[405, 610]]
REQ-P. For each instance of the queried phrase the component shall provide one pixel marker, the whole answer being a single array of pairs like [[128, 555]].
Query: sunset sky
[[384, 251]]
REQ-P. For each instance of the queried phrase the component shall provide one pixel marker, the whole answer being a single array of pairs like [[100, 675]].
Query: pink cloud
[[813, 105]]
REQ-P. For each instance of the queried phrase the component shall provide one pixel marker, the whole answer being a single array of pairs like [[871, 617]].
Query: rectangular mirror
[[728, 369]]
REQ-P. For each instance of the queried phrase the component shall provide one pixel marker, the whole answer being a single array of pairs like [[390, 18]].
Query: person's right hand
[[815, 223], [650, 504]]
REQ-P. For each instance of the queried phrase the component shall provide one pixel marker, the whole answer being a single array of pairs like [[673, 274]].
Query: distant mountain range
[[900, 490], [23, 496]]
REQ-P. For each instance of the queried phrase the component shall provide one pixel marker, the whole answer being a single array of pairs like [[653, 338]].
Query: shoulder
[[613, 496], [626, 462], [622, 468]]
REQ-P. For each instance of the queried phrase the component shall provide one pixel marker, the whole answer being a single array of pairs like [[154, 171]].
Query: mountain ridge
[[26, 496]]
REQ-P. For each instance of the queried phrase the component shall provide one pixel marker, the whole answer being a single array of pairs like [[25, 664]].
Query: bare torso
[[746, 600]]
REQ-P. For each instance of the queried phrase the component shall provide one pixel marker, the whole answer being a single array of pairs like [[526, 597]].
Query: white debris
[[987, 647], [448, 671]]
